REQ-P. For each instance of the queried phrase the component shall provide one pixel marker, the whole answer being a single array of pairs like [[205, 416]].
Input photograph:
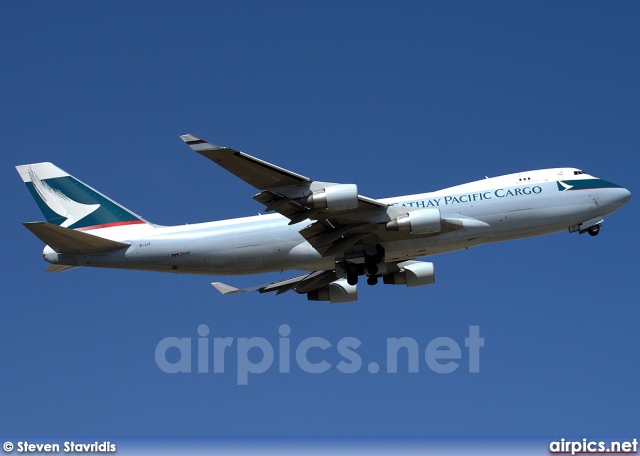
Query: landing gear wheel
[[372, 268], [372, 280], [594, 230], [352, 274]]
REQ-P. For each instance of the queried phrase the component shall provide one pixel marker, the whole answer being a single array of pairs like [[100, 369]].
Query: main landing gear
[[370, 267], [594, 230], [352, 274], [352, 277]]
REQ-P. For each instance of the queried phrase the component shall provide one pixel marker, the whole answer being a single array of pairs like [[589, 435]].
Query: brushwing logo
[[60, 203], [565, 186]]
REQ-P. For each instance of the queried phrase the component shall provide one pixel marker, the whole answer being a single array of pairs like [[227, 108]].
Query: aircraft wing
[[340, 216], [254, 171], [284, 191], [314, 282], [302, 284]]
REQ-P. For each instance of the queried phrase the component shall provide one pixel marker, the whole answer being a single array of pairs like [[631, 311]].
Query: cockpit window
[[578, 172]]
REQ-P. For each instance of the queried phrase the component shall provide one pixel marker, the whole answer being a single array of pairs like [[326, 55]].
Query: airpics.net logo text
[[312, 355]]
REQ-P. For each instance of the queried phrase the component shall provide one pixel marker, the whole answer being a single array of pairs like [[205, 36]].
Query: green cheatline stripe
[[586, 184]]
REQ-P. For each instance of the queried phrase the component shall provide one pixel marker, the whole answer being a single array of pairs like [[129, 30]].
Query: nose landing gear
[[594, 230]]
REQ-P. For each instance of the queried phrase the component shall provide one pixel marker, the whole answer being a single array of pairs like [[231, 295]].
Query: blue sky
[[398, 97]]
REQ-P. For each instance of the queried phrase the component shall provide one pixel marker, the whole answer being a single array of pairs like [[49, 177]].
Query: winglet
[[226, 289], [198, 144]]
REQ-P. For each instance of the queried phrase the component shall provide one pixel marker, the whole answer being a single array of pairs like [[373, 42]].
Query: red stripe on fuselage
[[109, 225]]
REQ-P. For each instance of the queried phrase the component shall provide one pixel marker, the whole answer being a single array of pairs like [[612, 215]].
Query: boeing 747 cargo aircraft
[[327, 230]]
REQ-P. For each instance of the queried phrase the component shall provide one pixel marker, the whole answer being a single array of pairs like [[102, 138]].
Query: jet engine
[[337, 292], [413, 274], [421, 221], [335, 198]]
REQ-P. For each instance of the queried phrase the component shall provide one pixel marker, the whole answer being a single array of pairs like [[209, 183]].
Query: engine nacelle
[[422, 221], [335, 198], [337, 292], [413, 275]]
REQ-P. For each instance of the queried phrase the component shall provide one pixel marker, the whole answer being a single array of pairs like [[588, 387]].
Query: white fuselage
[[495, 209]]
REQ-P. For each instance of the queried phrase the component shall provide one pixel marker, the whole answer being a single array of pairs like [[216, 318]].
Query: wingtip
[[188, 137], [225, 289], [198, 144]]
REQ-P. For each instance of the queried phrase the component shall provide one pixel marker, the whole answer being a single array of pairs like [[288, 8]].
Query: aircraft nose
[[612, 199], [624, 196], [618, 198]]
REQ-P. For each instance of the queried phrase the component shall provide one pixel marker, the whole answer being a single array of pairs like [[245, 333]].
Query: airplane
[[328, 230]]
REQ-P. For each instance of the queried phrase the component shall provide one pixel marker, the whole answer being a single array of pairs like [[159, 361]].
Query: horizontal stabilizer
[[65, 240]]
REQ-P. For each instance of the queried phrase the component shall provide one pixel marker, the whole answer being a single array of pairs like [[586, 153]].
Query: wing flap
[[59, 268]]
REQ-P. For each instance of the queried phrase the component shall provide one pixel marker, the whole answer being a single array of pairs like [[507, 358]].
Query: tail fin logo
[[60, 203]]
